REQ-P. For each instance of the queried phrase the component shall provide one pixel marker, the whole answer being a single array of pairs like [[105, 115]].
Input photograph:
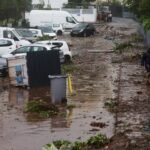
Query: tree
[[144, 8], [74, 3], [13, 9], [133, 5], [141, 9]]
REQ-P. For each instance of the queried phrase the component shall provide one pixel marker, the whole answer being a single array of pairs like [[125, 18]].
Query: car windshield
[[75, 19], [46, 29], [24, 33], [80, 26]]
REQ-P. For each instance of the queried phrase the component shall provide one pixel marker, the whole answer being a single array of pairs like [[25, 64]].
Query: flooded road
[[92, 86], [99, 76]]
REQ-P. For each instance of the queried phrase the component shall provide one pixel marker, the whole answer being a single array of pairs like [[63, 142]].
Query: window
[[56, 25], [38, 48], [20, 50], [5, 43], [57, 44], [70, 20], [10, 34]]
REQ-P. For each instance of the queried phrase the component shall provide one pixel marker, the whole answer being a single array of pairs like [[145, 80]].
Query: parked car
[[26, 34], [36, 32], [56, 27], [6, 32], [83, 29], [47, 30], [62, 45], [7, 46], [33, 48], [23, 50]]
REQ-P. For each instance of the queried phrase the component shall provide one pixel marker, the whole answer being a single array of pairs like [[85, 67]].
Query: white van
[[6, 32], [45, 17]]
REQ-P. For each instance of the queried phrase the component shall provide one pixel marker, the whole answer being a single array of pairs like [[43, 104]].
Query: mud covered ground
[[101, 76]]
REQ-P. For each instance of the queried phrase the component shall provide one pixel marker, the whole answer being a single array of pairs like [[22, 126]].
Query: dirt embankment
[[132, 92]]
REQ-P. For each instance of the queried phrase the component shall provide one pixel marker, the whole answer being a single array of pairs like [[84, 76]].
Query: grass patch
[[94, 142], [137, 38], [122, 46], [41, 109], [45, 37], [68, 68], [110, 104], [70, 106]]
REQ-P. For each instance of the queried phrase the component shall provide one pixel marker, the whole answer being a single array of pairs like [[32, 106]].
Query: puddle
[[17, 132]]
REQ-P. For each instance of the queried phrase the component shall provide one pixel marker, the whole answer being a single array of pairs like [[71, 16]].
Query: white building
[[54, 4]]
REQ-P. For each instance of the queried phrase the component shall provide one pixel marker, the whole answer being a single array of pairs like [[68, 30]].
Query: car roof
[[37, 44], [34, 29], [45, 41]]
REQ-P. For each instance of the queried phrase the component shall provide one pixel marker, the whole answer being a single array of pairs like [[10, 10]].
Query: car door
[[6, 46]]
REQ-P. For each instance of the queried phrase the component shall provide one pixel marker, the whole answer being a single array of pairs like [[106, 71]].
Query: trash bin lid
[[56, 76]]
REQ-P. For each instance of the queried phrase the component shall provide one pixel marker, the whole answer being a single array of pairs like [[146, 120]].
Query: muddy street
[[101, 76]]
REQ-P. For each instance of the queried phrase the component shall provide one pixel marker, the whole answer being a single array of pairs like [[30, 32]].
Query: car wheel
[[59, 32], [67, 59], [84, 34], [72, 35], [93, 33]]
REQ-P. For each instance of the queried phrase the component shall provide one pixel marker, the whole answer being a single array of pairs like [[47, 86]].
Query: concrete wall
[[83, 15]]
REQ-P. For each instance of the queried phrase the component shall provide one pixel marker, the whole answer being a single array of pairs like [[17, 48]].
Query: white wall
[[53, 3], [83, 15]]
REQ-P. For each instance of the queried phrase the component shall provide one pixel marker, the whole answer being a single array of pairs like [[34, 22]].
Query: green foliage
[[68, 68], [41, 108], [93, 142], [122, 46], [98, 141], [110, 104], [13, 9], [146, 24], [135, 38], [139, 7], [70, 106], [59, 143], [74, 3], [45, 37]]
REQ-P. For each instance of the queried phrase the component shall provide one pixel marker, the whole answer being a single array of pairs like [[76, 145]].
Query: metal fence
[[79, 11]]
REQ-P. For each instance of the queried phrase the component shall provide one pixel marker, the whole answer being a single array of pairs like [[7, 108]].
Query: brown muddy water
[[92, 86]]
